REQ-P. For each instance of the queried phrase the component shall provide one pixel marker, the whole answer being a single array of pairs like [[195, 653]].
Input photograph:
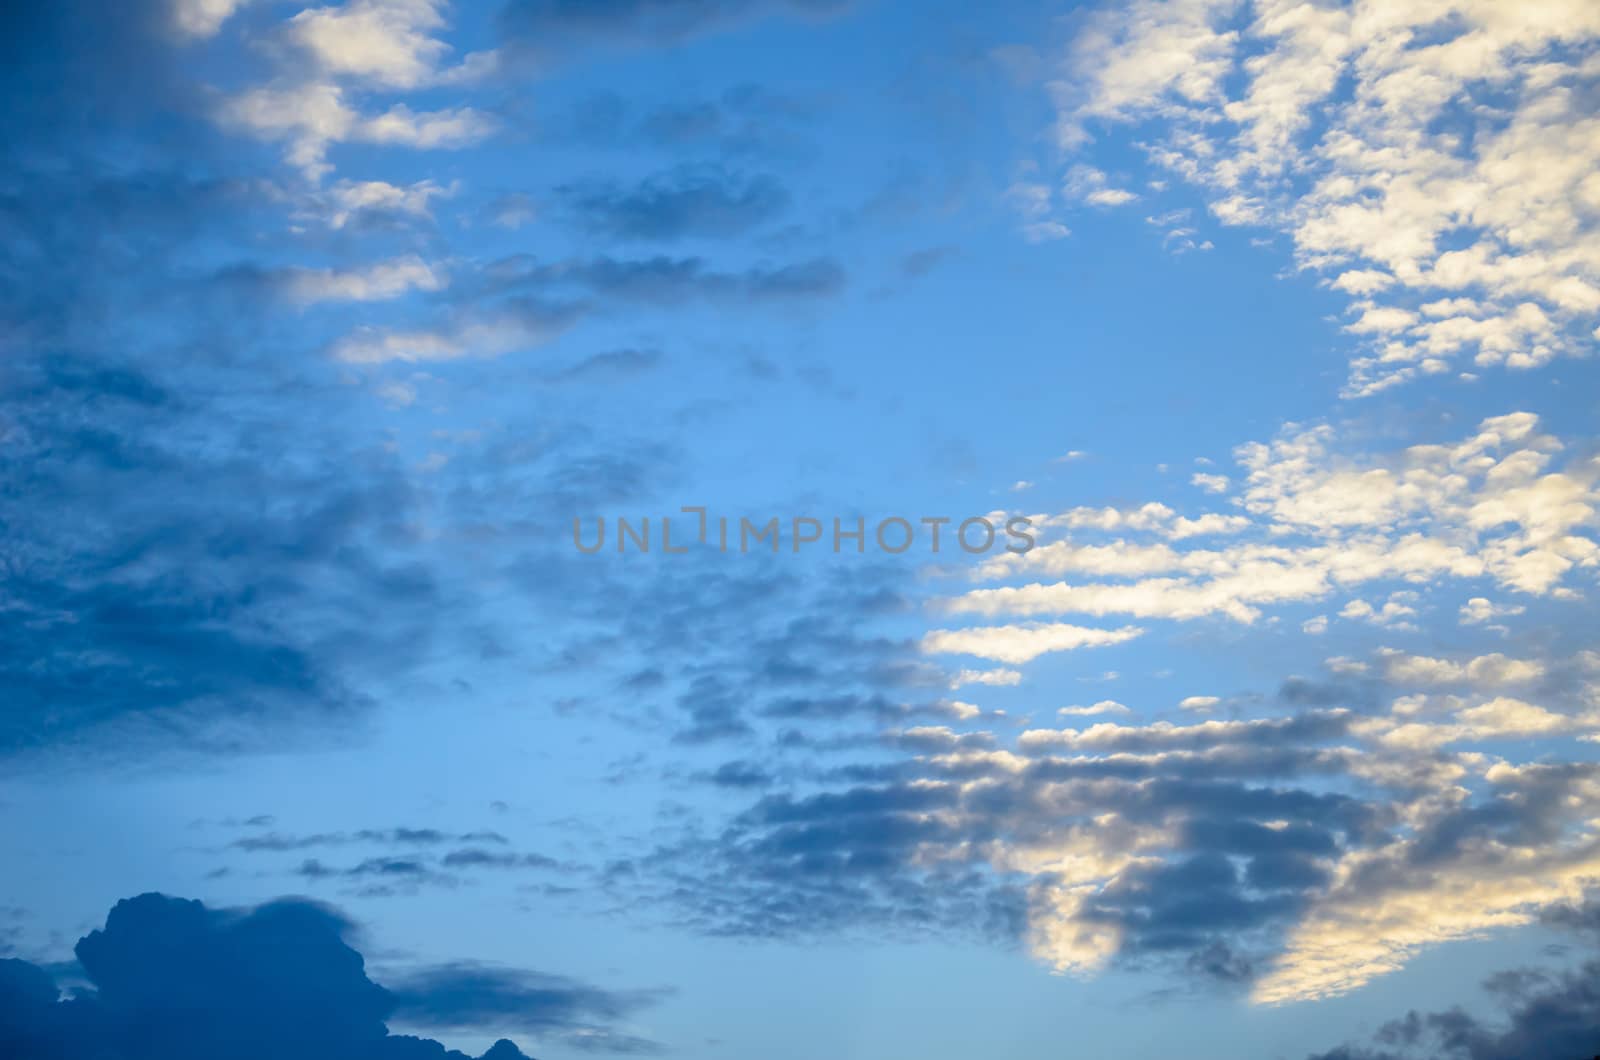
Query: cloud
[[609, 366], [954, 839], [1492, 671], [278, 842], [996, 677], [413, 860], [1543, 1013], [1104, 706], [534, 25], [1495, 504], [516, 327], [1091, 186], [1469, 868], [505, 306], [204, 618], [1292, 855], [379, 282], [1021, 643], [203, 18], [466, 996], [385, 43], [309, 118], [1438, 169], [173, 980], [350, 201], [680, 203]]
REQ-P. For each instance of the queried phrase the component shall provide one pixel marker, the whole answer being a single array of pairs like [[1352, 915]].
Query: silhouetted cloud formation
[[1554, 1015], [173, 980]]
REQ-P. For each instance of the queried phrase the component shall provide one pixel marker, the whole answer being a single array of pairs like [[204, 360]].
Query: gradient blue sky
[[323, 324]]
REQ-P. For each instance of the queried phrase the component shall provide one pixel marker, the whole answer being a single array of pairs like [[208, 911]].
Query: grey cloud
[[540, 26], [681, 203]]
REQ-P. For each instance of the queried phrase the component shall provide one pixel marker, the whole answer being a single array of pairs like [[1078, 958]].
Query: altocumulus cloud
[[170, 979], [1545, 1014]]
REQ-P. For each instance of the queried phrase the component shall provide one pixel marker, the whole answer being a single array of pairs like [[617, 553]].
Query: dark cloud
[[172, 980], [1192, 906], [173, 577], [680, 203], [1543, 1014], [467, 996], [194, 553], [278, 842], [542, 26], [477, 857], [664, 280], [744, 122], [711, 647], [1238, 826], [608, 366], [415, 864], [740, 775]]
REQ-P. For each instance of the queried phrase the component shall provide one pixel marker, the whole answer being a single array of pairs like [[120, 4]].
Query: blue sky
[[324, 324]]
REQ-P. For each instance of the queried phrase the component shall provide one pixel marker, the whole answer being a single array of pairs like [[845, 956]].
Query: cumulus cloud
[[1480, 610], [173, 980], [1543, 1014]]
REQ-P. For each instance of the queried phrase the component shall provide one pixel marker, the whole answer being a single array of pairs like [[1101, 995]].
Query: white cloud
[[1104, 706], [1495, 505], [401, 125], [348, 199], [1089, 185], [997, 677], [1392, 613], [386, 42], [310, 118], [1021, 643], [1198, 702], [1479, 610], [487, 337], [197, 19], [1491, 671], [1388, 902], [380, 282], [342, 51], [1436, 161]]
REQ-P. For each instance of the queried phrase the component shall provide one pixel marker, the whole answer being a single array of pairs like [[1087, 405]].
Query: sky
[[1124, 508]]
